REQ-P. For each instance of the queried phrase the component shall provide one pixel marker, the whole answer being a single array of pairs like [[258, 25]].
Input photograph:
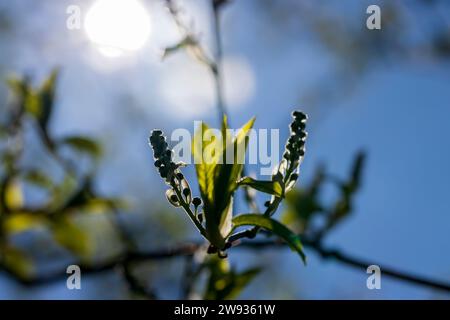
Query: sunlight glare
[[117, 26]]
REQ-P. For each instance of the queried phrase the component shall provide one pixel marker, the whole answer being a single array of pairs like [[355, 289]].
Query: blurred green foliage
[[224, 282], [73, 195], [305, 205], [64, 198]]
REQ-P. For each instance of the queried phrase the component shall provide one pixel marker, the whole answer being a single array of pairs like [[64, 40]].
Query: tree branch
[[189, 249], [352, 261]]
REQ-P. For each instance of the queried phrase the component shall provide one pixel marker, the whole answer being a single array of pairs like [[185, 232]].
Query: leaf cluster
[[64, 197]]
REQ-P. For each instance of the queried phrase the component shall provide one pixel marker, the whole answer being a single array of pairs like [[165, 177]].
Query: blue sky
[[398, 112]]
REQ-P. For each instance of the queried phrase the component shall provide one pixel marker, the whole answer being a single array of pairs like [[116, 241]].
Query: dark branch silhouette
[[188, 249]]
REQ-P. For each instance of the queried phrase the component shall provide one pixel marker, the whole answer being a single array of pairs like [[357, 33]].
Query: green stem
[[188, 210]]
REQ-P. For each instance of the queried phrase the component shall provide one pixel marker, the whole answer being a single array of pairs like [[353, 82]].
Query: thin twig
[[217, 71], [218, 82]]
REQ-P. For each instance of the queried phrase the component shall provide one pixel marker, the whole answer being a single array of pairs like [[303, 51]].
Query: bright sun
[[117, 26]]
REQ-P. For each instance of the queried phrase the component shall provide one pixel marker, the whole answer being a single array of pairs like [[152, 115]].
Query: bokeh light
[[117, 26]]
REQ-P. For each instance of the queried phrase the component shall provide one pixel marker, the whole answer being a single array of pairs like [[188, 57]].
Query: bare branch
[[189, 249]]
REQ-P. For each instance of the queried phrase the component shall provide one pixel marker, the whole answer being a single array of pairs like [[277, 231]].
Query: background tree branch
[[189, 249]]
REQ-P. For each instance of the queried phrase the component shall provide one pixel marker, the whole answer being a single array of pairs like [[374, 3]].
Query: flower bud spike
[[163, 156]]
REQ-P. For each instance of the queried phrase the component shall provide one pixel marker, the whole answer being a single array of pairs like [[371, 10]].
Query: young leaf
[[226, 174], [13, 195], [186, 42], [37, 102], [358, 166], [46, 97], [229, 286], [344, 206], [69, 235], [19, 222], [271, 225], [38, 178], [217, 179], [82, 144], [224, 282], [302, 207], [204, 167], [225, 225], [21, 91], [204, 149], [241, 280], [270, 187], [240, 143], [17, 261]]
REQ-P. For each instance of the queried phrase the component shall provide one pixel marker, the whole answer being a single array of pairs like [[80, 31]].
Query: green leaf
[[216, 178], [270, 187], [18, 262], [17, 86], [19, 222], [45, 99], [21, 91], [302, 207], [358, 166], [240, 281], [62, 193], [37, 102], [229, 286], [227, 173], [303, 204], [240, 143], [13, 196], [344, 205], [83, 144], [38, 178], [187, 41], [85, 199], [224, 282], [271, 225], [225, 224], [204, 150], [71, 236], [3, 131], [103, 205], [205, 164]]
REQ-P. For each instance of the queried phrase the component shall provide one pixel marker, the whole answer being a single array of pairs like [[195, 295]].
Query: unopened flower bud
[[196, 201], [186, 192]]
